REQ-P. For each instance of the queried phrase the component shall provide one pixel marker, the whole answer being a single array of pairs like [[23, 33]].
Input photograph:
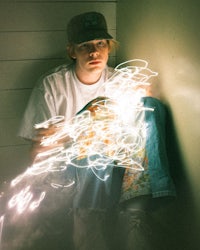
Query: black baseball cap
[[86, 27]]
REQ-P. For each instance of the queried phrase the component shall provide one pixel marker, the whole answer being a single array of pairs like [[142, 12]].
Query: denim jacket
[[158, 164], [92, 192]]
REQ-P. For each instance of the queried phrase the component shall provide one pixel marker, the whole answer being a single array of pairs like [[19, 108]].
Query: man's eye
[[83, 46], [101, 44]]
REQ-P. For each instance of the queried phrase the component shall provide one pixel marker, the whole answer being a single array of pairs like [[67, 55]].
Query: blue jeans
[[143, 224], [138, 224], [92, 229]]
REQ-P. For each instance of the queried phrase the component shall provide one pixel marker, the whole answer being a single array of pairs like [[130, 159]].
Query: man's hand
[[47, 139]]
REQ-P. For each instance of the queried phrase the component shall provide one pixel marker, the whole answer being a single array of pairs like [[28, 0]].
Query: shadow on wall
[[184, 222]]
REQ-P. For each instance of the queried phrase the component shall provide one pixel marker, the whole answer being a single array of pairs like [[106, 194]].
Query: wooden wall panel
[[34, 45], [12, 103], [8, 132], [24, 74], [14, 160], [41, 16]]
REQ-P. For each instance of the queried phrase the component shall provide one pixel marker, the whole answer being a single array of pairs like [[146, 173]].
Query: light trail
[[25, 200], [1, 227], [109, 131], [112, 128]]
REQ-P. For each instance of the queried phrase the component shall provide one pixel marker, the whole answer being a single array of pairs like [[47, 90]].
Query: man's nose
[[93, 50]]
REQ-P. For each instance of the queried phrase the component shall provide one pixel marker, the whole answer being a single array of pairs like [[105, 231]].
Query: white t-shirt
[[59, 93]]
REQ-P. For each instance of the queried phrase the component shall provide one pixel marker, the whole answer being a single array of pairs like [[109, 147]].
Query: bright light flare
[[112, 128], [1, 227], [109, 131], [24, 200]]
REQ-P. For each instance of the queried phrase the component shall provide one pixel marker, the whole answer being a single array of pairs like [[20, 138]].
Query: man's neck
[[88, 78]]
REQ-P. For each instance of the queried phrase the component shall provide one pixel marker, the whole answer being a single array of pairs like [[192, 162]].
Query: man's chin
[[97, 67]]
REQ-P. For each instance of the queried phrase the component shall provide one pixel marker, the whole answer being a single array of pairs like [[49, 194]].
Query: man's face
[[91, 56]]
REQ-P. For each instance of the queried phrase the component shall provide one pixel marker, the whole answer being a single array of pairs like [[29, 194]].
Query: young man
[[65, 92], [67, 89]]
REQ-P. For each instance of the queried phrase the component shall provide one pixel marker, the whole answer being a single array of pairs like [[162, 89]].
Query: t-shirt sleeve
[[40, 108]]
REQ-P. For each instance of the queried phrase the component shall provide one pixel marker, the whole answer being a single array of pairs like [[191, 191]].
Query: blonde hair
[[113, 44]]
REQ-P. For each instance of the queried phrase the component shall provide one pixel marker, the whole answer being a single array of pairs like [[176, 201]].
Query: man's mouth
[[94, 62]]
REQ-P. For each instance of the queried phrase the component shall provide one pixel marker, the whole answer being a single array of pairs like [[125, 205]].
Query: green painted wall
[[167, 35]]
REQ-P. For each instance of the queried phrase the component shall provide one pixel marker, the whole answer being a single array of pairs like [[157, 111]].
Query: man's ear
[[71, 52]]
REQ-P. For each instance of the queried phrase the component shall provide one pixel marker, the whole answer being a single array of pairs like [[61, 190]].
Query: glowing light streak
[[1, 227], [56, 185], [21, 200], [24, 200], [113, 129], [49, 122], [140, 74], [36, 203], [109, 133]]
